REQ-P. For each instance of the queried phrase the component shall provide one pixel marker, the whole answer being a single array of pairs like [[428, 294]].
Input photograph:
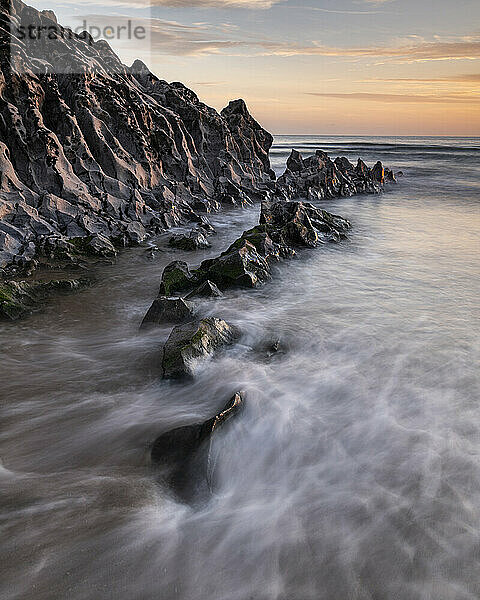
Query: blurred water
[[354, 471]]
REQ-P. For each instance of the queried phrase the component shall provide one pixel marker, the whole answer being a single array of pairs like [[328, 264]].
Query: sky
[[345, 67]]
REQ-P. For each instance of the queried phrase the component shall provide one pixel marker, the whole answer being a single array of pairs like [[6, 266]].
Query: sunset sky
[[386, 67]]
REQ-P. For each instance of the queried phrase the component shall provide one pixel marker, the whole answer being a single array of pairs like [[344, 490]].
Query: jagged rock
[[167, 310], [192, 343], [176, 278], [89, 146], [283, 227], [295, 162], [317, 177], [183, 454], [378, 172], [297, 224], [195, 240], [20, 298], [205, 226], [206, 290], [240, 266]]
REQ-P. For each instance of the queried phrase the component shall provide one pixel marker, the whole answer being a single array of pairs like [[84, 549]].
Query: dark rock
[[167, 310], [295, 162], [298, 224], [176, 278], [195, 240], [378, 172], [192, 343], [90, 147], [182, 455], [240, 266], [205, 226], [317, 177], [206, 290], [20, 298]]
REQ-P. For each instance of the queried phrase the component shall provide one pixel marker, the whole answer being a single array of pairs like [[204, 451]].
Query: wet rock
[[195, 240], [176, 278], [297, 224], [182, 455], [206, 290], [167, 310], [240, 266], [20, 298], [206, 227], [317, 177], [378, 172], [192, 343]]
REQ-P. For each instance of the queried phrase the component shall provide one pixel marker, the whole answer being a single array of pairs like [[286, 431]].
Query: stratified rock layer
[[108, 153]]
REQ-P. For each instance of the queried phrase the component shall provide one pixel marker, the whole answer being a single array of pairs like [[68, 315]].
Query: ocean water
[[354, 471]]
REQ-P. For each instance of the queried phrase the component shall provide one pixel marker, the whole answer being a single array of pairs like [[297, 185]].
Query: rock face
[[167, 310], [105, 153], [192, 343], [182, 455], [317, 177]]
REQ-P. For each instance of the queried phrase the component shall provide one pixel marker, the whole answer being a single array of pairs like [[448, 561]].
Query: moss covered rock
[[192, 343]]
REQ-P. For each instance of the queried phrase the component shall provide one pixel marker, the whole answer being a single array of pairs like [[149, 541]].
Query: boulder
[[195, 240], [206, 290], [167, 310], [176, 278], [297, 224], [378, 172], [240, 266], [182, 455], [194, 342]]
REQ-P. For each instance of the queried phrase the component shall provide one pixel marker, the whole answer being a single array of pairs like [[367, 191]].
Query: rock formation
[[284, 227], [192, 343], [183, 454], [317, 177], [98, 155]]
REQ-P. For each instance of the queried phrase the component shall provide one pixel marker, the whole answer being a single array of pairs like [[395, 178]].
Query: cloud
[[468, 78], [465, 48], [216, 4], [345, 12], [401, 98], [199, 39], [250, 4]]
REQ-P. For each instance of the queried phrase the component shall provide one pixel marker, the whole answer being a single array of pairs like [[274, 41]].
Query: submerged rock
[[192, 343], [21, 298], [182, 455], [167, 310]]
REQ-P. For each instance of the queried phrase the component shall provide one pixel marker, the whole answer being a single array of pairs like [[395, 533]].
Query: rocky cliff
[[96, 155]]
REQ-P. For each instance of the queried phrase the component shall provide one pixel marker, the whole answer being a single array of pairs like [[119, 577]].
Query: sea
[[353, 472]]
